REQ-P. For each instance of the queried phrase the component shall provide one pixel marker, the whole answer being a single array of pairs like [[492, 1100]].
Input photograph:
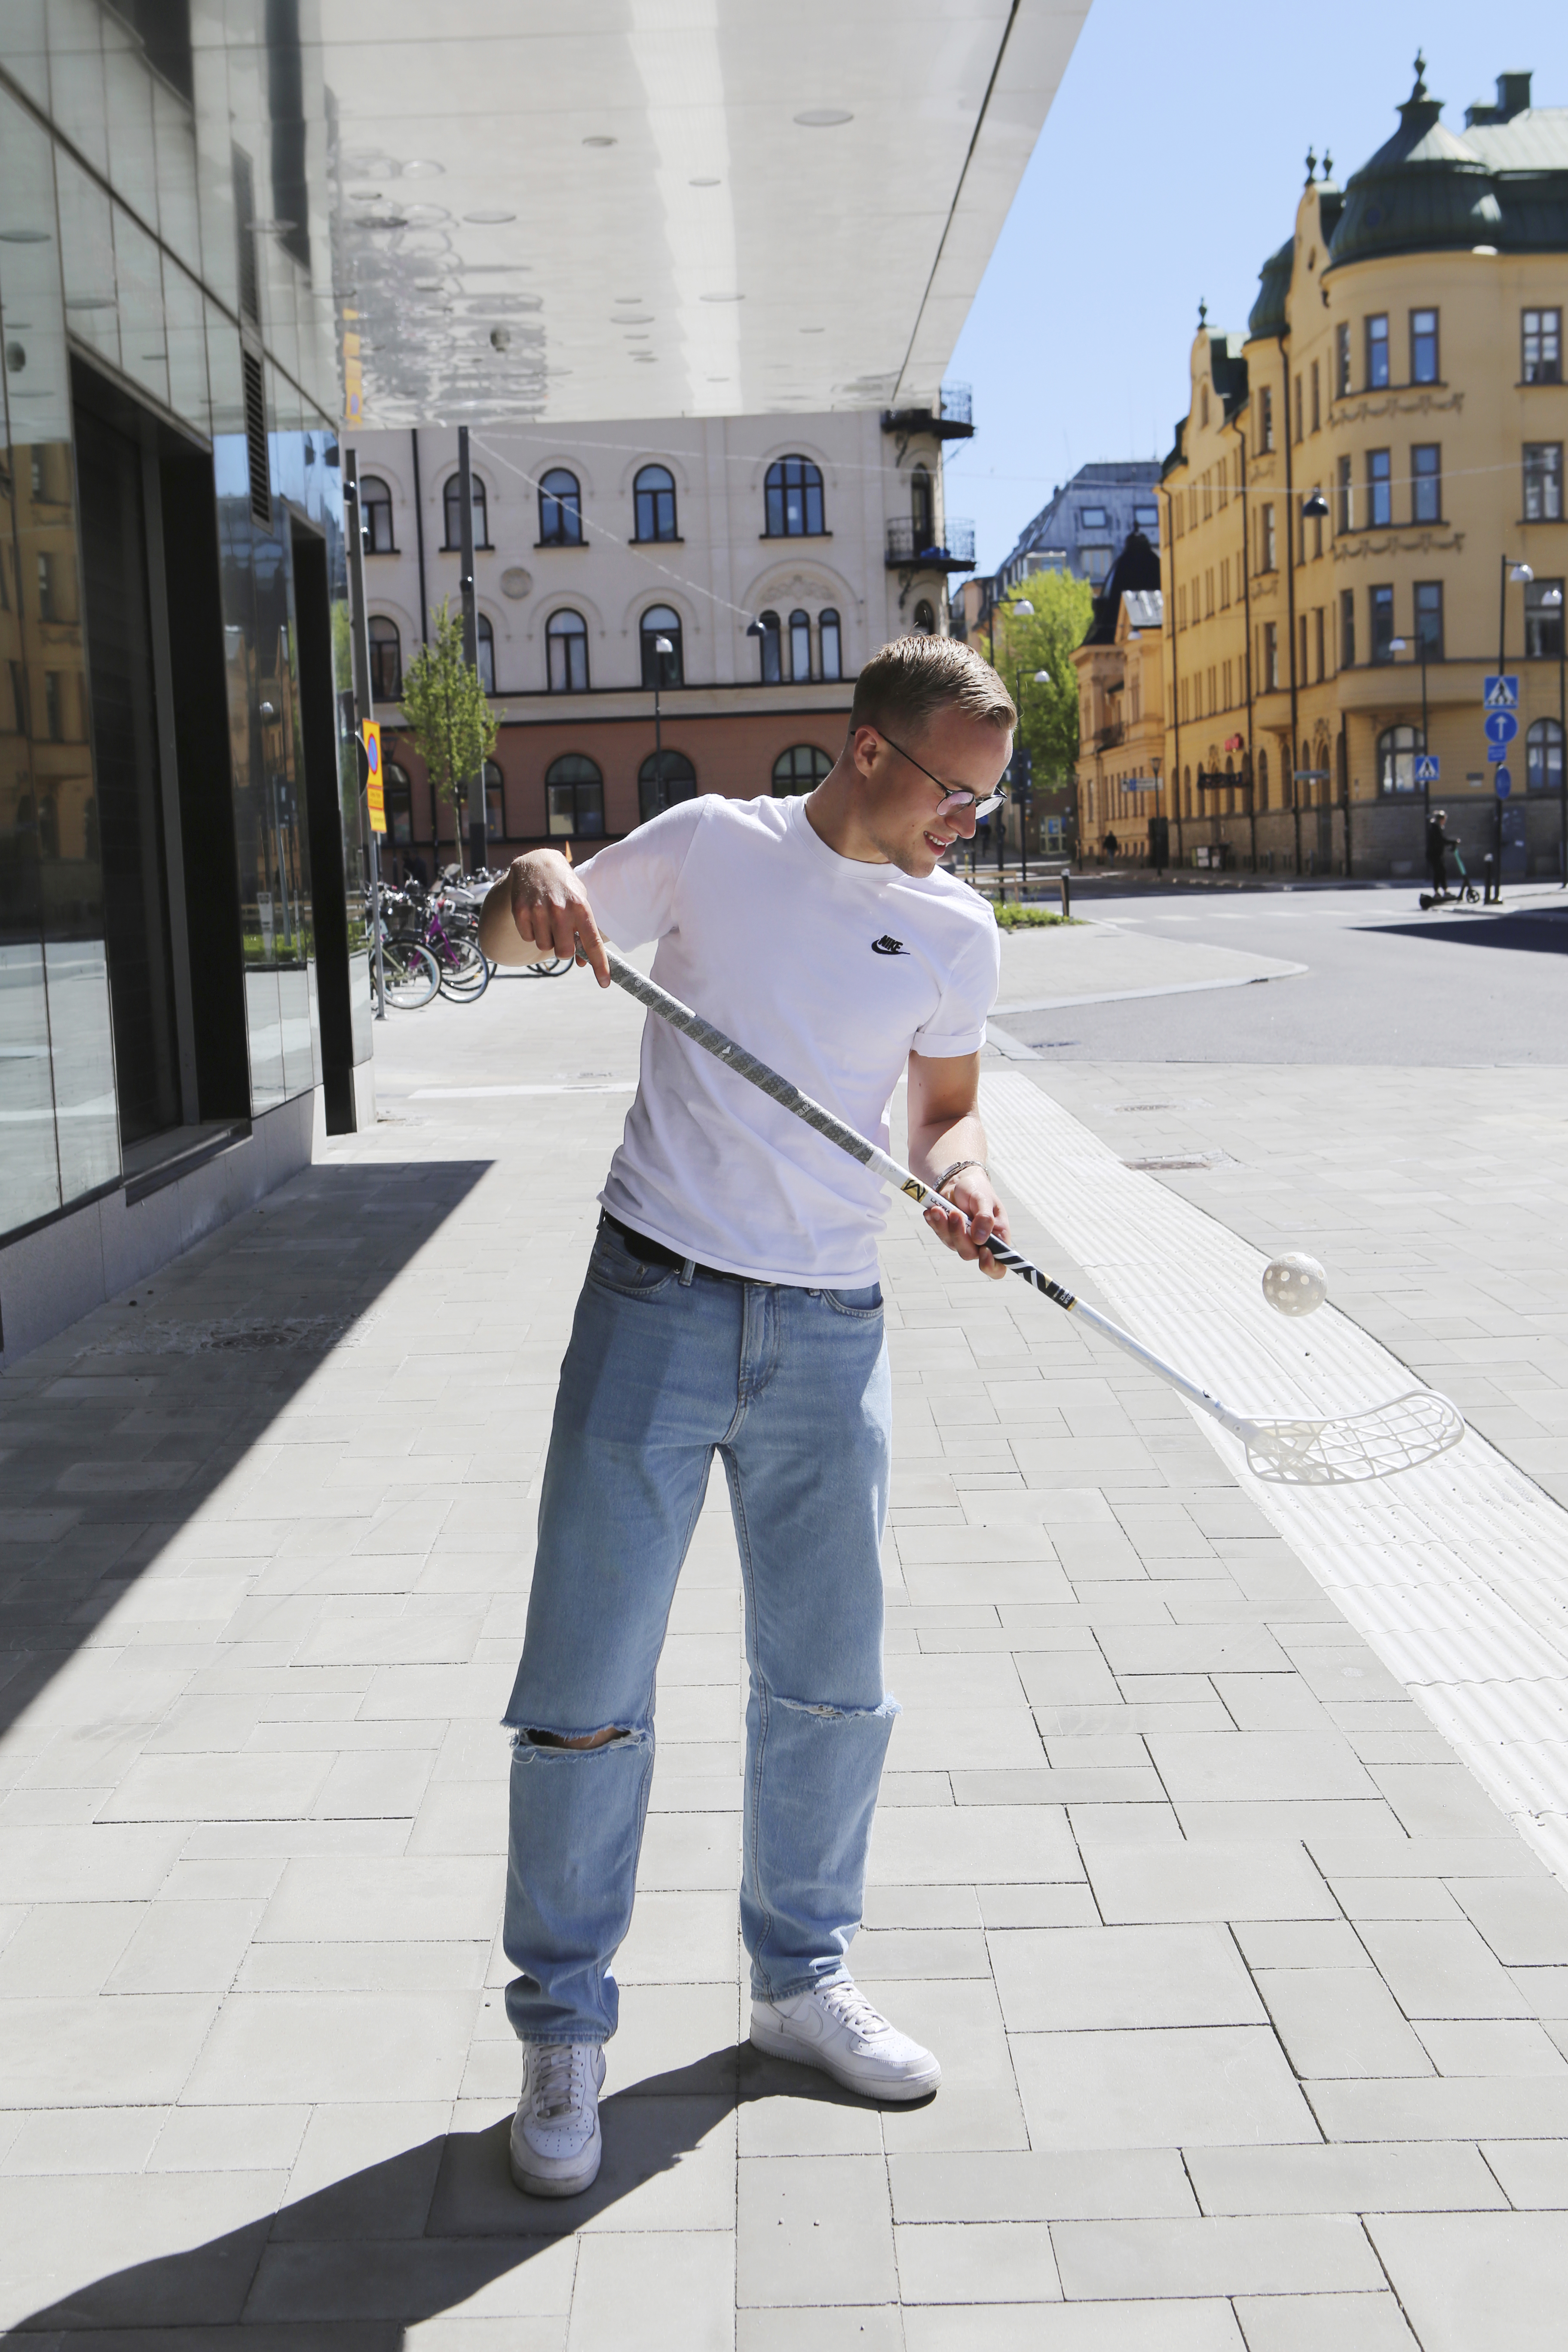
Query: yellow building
[[1121, 724], [1365, 511]]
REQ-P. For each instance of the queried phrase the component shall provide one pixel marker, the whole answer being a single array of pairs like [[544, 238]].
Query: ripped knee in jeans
[[575, 1741]]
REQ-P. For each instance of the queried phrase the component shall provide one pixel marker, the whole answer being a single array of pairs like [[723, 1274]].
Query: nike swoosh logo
[[886, 945]]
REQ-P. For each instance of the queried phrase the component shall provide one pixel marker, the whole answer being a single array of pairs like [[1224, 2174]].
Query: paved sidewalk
[[1248, 1998]]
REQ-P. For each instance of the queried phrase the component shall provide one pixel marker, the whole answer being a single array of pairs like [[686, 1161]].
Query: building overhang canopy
[[671, 206]]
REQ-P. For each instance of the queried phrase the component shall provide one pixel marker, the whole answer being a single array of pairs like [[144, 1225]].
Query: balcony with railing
[[951, 418], [916, 543], [1106, 739]]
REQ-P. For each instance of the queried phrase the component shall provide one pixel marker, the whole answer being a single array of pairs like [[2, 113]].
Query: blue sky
[[1169, 168]]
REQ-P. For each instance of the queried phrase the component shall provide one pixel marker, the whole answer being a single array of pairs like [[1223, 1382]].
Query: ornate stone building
[[1365, 513]]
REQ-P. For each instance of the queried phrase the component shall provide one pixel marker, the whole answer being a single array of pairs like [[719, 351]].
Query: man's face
[[900, 808]]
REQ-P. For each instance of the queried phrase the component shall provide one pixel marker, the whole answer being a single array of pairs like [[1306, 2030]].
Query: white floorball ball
[[1295, 1284]]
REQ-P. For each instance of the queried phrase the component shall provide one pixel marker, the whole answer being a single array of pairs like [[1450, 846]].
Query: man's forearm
[[934, 1147]]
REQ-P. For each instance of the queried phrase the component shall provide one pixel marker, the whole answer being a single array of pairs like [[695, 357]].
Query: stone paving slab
[[1252, 2036]]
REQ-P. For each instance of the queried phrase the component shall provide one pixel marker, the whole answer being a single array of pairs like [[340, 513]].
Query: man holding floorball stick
[[732, 1304]]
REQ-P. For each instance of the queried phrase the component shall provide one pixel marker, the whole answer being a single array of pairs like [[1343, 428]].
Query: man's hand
[[973, 1197], [540, 909]]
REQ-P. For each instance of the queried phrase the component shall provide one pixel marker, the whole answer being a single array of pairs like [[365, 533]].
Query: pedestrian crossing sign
[[1425, 767], [1499, 693]]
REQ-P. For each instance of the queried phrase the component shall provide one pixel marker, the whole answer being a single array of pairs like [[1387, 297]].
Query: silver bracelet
[[945, 1178]]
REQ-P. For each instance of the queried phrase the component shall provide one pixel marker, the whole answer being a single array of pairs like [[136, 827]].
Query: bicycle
[[464, 971], [412, 973]]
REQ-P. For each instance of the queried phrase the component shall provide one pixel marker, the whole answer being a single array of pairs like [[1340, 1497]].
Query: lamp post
[[1399, 645], [1551, 599], [1522, 576], [662, 648]]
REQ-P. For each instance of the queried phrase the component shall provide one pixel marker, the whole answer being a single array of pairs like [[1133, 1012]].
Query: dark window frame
[[794, 504], [1381, 630], [654, 503], [799, 626], [819, 763], [380, 692], [1376, 351], [1547, 366], [1543, 738], [485, 634], [1545, 479], [830, 634], [1426, 482], [560, 509], [1431, 638], [584, 789], [452, 512], [672, 665], [569, 640], [375, 500], [1419, 335], [1380, 490], [770, 650]]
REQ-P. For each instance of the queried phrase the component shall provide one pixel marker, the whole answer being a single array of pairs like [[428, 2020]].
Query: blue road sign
[[1501, 726], [1499, 693], [1425, 767], [1496, 751], [1504, 784]]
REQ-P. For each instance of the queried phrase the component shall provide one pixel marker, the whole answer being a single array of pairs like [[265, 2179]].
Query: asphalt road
[[1384, 984]]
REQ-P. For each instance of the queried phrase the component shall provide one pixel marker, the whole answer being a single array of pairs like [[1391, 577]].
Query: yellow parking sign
[[376, 793]]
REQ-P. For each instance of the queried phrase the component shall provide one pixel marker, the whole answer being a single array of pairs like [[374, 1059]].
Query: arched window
[[453, 496], [655, 494], [800, 645], [771, 648], [560, 509], [385, 660], [1396, 750], [1263, 779], [794, 498], [925, 617], [399, 802], [922, 508], [566, 647], [798, 770], [495, 803], [663, 779], [661, 669], [1543, 756], [375, 513], [484, 651], [832, 648], [575, 797]]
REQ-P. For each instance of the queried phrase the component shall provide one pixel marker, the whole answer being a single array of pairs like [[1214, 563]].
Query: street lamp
[[1551, 599], [1399, 645], [661, 646], [1315, 507]]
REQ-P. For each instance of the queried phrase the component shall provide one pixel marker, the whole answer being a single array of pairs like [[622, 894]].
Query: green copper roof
[[1503, 183], [1266, 316]]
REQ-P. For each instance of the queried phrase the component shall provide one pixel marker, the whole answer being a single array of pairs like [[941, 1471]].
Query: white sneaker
[[555, 2139], [837, 2029]]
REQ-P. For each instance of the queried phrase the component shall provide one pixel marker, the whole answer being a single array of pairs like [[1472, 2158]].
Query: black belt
[[652, 1253]]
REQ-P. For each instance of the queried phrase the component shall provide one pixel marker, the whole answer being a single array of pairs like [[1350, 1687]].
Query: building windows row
[[1398, 747], [785, 654], [1540, 351], [773, 646], [575, 791], [386, 656], [792, 493]]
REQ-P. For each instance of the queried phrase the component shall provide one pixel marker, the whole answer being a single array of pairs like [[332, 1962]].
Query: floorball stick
[[1387, 1438]]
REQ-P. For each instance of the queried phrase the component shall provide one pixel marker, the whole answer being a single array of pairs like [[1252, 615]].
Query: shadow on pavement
[[1542, 934], [355, 2264], [120, 1429]]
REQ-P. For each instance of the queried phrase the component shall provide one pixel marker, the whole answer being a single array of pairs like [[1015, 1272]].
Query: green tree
[[1046, 639], [447, 718]]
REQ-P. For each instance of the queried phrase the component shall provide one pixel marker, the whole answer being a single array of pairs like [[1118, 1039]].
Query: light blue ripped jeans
[[792, 1388]]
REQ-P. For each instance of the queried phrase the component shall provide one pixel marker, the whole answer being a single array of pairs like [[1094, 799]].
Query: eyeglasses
[[954, 796]]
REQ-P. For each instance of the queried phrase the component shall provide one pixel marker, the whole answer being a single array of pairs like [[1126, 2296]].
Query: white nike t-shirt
[[829, 970]]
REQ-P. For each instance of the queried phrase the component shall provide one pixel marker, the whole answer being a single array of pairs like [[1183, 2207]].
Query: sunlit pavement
[[1248, 1994]]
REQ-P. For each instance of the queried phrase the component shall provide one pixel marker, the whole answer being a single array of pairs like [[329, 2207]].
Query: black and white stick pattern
[[1396, 1436]]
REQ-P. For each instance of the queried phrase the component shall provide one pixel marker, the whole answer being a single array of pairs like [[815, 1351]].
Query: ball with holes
[[1295, 1284]]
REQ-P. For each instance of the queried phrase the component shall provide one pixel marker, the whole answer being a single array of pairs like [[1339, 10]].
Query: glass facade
[[176, 705]]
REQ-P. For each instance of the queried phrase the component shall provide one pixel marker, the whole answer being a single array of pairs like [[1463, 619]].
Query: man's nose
[[963, 819]]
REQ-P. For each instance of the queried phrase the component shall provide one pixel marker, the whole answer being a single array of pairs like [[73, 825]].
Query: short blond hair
[[909, 681]]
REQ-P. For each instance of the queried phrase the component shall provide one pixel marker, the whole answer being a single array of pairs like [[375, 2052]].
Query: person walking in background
[[1437, 847]]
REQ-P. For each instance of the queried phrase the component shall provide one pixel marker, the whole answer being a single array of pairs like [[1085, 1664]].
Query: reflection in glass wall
[[143, 248], [58, 1136]]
